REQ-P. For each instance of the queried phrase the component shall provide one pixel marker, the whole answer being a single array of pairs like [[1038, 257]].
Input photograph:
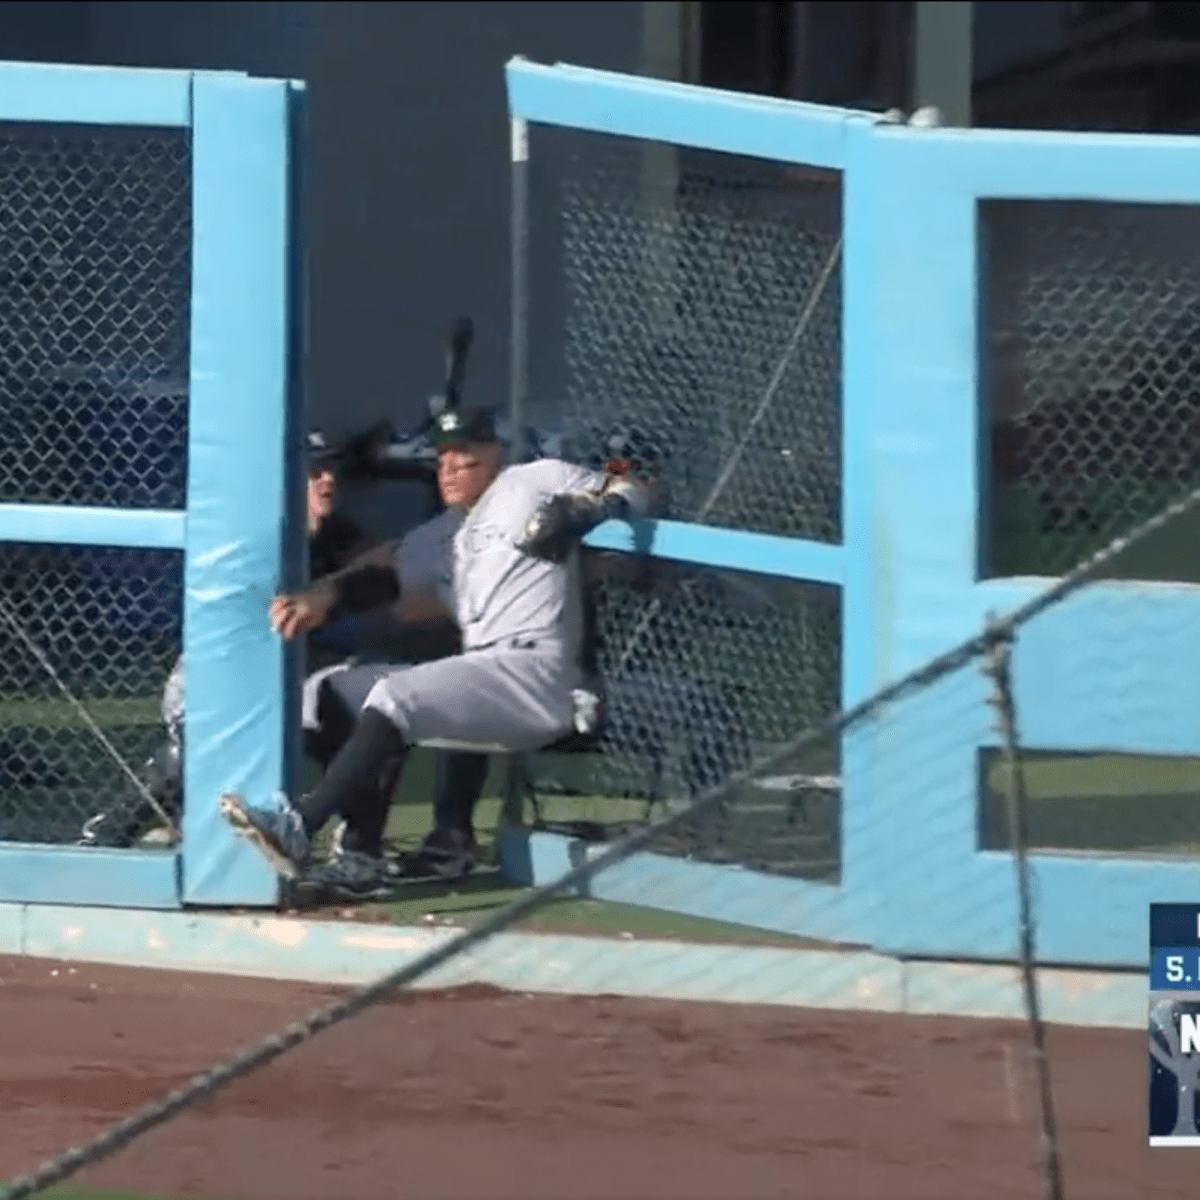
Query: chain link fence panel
[[704, 671], [685, 310], [692, 301], [109, 624], [1092, 376], [95, 285]]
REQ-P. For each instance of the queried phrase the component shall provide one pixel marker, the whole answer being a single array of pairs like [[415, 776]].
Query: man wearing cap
[[515, 591], [334, 541]]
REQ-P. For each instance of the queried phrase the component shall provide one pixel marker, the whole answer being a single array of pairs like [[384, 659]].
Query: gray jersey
[[425, 557], [501, 593]]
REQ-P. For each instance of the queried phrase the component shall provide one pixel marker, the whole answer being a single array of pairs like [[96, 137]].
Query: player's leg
[[332, 703], [357, 859], [350, 784], [519, 699], [131, 816], [449, 850]]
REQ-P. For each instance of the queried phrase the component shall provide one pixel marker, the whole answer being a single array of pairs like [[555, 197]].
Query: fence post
[[998, 666]]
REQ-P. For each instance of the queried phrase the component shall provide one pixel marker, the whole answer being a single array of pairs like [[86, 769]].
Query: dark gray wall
[[410, 119]]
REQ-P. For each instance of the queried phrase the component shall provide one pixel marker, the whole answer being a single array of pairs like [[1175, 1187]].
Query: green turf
[[70, 1192], [1088, 802], [482, 894], [56, 712], [1116, 803], [1021, 545]]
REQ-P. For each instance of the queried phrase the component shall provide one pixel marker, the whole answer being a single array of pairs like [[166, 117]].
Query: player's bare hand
[[301, 611]]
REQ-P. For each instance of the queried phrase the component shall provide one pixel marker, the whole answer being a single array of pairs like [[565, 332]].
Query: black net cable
[[123, 766], [206, 1084]]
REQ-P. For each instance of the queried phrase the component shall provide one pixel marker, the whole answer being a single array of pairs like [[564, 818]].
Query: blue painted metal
[[637, 107], [733, 549], [706, 890], [865, 561], [92, 526], [945, 898], [1005, 164], [106, 878], [94, 95], [241, 279], [352, 953], [1101, 671]]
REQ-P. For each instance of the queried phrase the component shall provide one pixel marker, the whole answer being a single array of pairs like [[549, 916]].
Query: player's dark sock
[[358, 772], [461, 778], [366, 822], [335, 726]]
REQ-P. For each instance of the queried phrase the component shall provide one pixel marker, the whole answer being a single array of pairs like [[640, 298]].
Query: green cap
[[460, 426]]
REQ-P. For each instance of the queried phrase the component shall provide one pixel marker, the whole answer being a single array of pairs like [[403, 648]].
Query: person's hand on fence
[[302, 611]]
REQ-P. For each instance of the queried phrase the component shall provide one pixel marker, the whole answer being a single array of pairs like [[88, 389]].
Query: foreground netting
[[979, 668]]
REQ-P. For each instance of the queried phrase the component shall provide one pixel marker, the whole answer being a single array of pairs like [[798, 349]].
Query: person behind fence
[[334, 541], [516, 594]]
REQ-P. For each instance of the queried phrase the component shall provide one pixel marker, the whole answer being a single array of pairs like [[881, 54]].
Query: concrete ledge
[[345, 952]]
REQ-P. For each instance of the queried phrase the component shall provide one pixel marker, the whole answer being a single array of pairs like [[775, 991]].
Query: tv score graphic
[[1174, 1024]]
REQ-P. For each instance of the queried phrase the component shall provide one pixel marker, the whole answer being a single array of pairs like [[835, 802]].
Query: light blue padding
[[1001, 164], [92, 526], [92, 876], [733, 549], [236, 492], [94, 95], [352, 953], [860, 845], [1100, 671], [12, 928], [682, 114], [697, 889]]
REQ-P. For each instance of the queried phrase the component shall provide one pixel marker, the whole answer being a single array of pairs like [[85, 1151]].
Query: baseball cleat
[[444, 854], [279, 834], [350, 875]]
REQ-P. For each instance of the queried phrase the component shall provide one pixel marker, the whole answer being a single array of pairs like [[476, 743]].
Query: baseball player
[[516, 595], [334, 542], [358, 869]]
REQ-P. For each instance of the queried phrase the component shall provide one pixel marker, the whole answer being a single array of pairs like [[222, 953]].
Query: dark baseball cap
[[322, 450], [462, 426]]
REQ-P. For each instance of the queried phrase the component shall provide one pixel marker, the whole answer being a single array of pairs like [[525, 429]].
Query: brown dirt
[[480, 1095]]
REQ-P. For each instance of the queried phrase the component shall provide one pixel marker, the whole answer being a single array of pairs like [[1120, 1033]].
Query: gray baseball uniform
[[425, 563], [522, 624]]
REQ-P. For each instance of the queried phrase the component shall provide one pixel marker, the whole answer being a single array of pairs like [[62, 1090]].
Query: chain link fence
[[686, 307], [95, 284], [705, 671], [693, 299], [108, 623], [1093, 380]]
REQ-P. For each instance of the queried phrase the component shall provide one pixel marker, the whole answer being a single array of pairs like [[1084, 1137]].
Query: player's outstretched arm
[[563, 519], [367, 583]]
